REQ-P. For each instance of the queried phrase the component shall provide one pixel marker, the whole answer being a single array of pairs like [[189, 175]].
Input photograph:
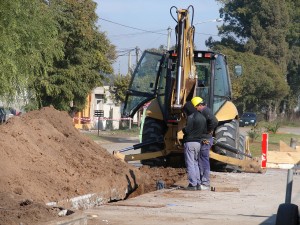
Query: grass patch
[[255, 146]]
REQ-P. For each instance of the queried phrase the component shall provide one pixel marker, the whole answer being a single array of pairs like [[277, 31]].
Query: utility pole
[[137, 60], [169, 38], [137, 55], [129, 62]]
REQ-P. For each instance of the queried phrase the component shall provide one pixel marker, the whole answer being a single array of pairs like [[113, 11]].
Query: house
[[100, 112]]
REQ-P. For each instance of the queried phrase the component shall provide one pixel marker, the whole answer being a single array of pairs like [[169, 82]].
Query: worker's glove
[[206, 142]]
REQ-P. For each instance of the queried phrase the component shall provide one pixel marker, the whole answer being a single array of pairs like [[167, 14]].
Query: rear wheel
[[153, 129], [227, 133], [242, 145]]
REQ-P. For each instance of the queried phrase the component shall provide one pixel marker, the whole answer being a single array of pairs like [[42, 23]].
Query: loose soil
[[45, 159]]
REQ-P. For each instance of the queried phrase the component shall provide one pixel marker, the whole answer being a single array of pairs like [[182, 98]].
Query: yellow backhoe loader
[[171, 79]]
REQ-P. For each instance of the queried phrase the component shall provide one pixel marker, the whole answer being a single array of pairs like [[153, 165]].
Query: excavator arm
[[186, 70]]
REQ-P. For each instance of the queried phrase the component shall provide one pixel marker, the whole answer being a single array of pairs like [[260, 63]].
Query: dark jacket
[[211, 120], [195, 126]]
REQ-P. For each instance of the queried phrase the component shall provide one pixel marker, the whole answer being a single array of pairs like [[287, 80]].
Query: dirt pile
[[45, 159]]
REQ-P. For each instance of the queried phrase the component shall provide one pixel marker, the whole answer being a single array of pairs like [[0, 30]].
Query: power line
[[134, 28], [125, 50], [131, 34], [207, 34]]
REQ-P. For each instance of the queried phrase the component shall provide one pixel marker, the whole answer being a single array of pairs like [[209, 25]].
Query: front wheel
[[153, 129]]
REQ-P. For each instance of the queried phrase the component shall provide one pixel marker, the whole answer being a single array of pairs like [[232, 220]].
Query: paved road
[[122, 143], [255, 203], [290, 130]]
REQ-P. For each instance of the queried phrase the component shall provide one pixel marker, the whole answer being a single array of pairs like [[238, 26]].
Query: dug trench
[[49, 169]]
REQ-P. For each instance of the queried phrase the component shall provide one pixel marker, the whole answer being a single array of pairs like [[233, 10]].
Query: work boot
[[204, 188], [160, 184], [191, 188]]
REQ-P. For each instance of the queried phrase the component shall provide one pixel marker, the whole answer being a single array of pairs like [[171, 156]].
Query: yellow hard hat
[[196, 101]]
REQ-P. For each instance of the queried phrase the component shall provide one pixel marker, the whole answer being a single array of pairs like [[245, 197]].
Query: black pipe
[[230, 148], [140, 145]]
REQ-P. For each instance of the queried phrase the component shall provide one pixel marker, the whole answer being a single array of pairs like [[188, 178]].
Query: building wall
[[100, 99]]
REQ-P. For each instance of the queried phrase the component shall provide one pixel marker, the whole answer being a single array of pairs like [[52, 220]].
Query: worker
[[193, 131], [206, 141]]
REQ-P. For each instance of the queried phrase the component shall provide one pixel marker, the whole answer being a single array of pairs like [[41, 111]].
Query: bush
[[254, 133], [272, 127]]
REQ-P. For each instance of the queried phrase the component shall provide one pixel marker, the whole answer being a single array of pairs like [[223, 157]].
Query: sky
[[144, 24]]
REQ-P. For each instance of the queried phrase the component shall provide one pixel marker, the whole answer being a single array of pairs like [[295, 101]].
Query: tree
[[293, 71], [262, 85], [119, 88], [88, 54], [28, 46], [267, 28], [261, 26], [161, 49]]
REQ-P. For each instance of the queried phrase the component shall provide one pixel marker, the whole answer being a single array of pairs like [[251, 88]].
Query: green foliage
[[87, 55], [270, 29], [119, 88], [262, 83], [272, 127], [28, 45], [261, 26], [273, 140], [51, 52], [161, 49]]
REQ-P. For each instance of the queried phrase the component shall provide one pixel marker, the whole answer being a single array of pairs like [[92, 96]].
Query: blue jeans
[[204, 165], [191, 156]]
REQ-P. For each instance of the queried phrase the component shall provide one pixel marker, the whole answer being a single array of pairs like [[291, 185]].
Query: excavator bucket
[[119, 155], [249, 165]]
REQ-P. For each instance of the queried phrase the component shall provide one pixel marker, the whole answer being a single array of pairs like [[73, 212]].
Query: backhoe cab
[[171, 79]]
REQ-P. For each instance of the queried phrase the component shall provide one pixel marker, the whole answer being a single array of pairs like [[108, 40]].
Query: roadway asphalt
[[254, 200]]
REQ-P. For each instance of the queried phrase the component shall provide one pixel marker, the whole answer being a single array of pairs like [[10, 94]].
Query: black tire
[[227, 133], [287, 214], [153, 129], [242, 145]]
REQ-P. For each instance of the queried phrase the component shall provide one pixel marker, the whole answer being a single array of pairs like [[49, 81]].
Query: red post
[[264, 150]]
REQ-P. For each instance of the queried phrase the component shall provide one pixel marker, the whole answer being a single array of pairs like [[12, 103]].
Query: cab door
[[143, 85]]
